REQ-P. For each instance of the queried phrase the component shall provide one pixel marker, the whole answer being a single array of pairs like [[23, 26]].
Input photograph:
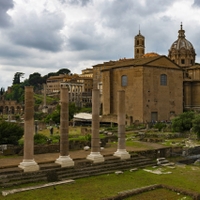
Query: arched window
[[124, 80], [137, 50], [163, 79], [137, 42]]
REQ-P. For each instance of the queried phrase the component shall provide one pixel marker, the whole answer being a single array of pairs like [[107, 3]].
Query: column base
[[122, 153], [29, 165], [65, 161], [96, 157]]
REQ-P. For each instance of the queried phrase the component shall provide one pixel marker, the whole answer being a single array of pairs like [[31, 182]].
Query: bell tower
[[139, 49]]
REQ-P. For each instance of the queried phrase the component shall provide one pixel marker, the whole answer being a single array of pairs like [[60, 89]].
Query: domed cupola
[[182, 51]]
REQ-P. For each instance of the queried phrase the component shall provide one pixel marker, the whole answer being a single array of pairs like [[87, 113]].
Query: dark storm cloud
[[83, 37], [121, 13], [5, 19], [76, 2], [9, 52], [196, 3], [39, 32]]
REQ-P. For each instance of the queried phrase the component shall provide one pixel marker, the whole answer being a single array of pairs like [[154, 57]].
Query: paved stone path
[[51, 157]]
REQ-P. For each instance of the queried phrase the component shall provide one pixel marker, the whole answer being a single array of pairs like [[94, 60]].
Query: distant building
[[10, 107], [157, 87], [80, 87], [149, 88]]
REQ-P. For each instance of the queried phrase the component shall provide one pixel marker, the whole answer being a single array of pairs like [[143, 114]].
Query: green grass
[[9, 156], [137, 145], [56, 131], [160, 194], [98, 187]]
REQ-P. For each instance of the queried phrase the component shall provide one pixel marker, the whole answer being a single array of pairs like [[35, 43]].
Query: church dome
[[182, 42], [182, 51]]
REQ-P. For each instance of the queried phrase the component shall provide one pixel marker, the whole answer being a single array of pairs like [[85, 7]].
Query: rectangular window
[[163, 79], [124, 80], [182, 61]]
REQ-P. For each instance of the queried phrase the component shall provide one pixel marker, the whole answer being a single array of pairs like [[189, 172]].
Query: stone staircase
[[50, 172]]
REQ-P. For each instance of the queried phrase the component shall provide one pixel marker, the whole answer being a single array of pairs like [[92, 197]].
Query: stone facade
[[147, 97], [157, 87], [10, 107], [80, 87]]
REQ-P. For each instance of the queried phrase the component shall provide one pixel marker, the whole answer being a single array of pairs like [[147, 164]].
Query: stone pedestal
[[95, 155], [28, 163], [121, 118], [122, 153], [64, 159]]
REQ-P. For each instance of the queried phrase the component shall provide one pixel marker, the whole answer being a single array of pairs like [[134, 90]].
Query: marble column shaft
[[28, 163], [121, 119], [95, 154], [45, 95], [29, 124], [95, 146], [64, 159], [64, 122]]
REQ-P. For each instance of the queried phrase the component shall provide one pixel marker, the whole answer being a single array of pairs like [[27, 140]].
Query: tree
[[63, 71], [72, 110], [17, 76], [183, 122], [2, 91], [10, 133], [55, 115], [17, 93], [35, 79]]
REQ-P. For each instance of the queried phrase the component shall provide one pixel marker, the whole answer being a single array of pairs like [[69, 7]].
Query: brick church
[[157, 87]]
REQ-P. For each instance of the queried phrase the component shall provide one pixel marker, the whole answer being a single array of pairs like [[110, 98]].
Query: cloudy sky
[[47, 35]]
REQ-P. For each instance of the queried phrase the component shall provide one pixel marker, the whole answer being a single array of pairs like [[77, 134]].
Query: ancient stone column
[[121, 117], [28, 163], [44, 110], [64, 159], [95, 142]]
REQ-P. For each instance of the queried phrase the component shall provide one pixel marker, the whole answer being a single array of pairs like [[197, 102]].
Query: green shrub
[[40, 139], [88, 137], [21, 142], [55, 138], [10, 133], [183, 122], [114, 128], [86, 110], [160, 126]]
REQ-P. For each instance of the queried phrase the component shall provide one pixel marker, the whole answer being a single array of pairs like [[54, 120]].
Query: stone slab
[[7, 192]]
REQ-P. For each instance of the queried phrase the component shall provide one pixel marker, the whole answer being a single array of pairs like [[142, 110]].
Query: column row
[[29, 164]]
